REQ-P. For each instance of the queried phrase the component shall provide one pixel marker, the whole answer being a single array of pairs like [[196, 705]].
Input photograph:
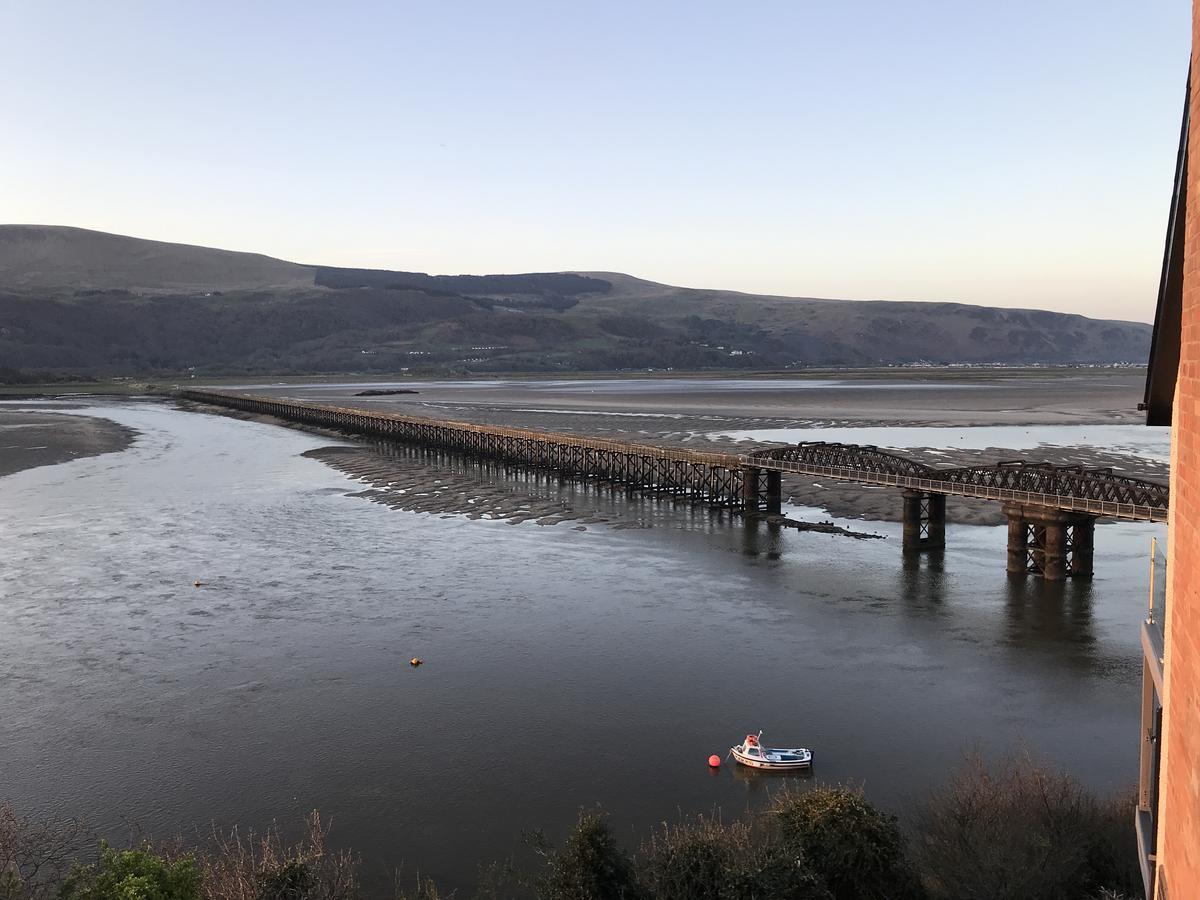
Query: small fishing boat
[[751, 752]]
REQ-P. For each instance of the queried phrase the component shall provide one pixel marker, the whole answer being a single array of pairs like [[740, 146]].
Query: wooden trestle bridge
[[1051, 510]]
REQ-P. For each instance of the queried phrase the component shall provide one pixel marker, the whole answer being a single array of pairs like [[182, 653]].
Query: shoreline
[[649, 411], [409, 478], [30, 438]]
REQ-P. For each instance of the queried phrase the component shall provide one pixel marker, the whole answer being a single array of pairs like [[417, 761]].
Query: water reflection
[[923, 578], [931, 561], [1052, 621], [1051, 615], [761, 539], [761, 786]]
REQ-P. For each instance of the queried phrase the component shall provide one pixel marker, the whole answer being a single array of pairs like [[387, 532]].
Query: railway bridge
[[1051, 510]]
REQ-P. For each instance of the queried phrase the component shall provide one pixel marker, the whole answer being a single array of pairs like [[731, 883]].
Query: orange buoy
[[415, 661], [714, 761]]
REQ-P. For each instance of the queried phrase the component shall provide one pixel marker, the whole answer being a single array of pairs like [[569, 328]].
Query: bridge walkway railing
[[1130, 511], [368, 419]]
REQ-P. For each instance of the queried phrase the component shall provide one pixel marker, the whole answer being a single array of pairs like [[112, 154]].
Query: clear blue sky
[[1016, 153]]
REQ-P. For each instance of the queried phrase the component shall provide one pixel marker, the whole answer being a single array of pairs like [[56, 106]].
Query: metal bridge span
[[1051, 509]]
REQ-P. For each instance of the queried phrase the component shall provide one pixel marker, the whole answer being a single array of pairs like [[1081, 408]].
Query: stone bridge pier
[[762, 491], [1051, 509], [1052, 543], [924, 521]]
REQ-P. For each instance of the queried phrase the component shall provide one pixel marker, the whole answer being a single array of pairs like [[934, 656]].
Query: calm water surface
[[563, 667]]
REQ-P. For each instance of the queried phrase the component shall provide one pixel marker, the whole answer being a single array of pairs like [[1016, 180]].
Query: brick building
[[1168, 818]]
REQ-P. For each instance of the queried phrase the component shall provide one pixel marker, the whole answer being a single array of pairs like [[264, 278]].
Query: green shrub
[[857, 850], [137, 874], [589, 866]]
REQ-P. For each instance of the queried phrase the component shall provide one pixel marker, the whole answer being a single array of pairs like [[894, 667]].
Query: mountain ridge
[[72, 299]]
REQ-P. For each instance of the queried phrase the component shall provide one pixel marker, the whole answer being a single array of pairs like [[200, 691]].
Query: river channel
[[565, 666]]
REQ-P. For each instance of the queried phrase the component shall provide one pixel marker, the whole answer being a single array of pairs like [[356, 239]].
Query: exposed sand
[[33, 437], [677, 410], [430, 482], [686, 411], [669, 412]]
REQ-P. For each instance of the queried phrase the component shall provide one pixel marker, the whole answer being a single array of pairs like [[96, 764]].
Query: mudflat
[[676, 409], [32, 437], [723, 413]]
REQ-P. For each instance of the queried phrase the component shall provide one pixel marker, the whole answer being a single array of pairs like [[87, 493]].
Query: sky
[[1010, 154]]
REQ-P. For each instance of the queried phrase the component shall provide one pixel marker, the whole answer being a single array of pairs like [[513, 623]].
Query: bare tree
[[1019, 830], [35, 855], [264, 867]]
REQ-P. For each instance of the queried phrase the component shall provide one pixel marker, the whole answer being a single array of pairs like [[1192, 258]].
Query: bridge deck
[[608, 458], [1110, 508]]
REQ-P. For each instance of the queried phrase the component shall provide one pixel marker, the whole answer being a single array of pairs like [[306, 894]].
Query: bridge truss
[[1077, 489]]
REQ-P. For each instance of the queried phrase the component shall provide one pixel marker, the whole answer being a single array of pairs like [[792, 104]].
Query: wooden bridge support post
[[750, 476], [924, 521], [1037, 529], [774, 493]]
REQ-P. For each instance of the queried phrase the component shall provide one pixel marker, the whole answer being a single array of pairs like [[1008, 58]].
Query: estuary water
[[563, 667]]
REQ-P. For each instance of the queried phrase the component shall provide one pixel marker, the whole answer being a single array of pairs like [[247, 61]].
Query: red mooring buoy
[[714, 761]]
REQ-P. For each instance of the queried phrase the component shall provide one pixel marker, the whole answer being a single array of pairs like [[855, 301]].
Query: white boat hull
[[774, 758]]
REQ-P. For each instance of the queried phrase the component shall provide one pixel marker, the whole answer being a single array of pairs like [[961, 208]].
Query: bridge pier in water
[[774, 493], [762, 492], [1052, 543], [1051, 509], [751, 475], [924, 521]]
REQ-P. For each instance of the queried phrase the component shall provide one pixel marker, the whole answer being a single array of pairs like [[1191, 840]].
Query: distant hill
[[55, 256], [78, 301]]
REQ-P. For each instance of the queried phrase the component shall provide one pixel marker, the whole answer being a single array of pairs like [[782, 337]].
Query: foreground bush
[[1020, 830], [708, 860], [857, 850], [137, 874], [820, 844], [589, 866], [264, 867]]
